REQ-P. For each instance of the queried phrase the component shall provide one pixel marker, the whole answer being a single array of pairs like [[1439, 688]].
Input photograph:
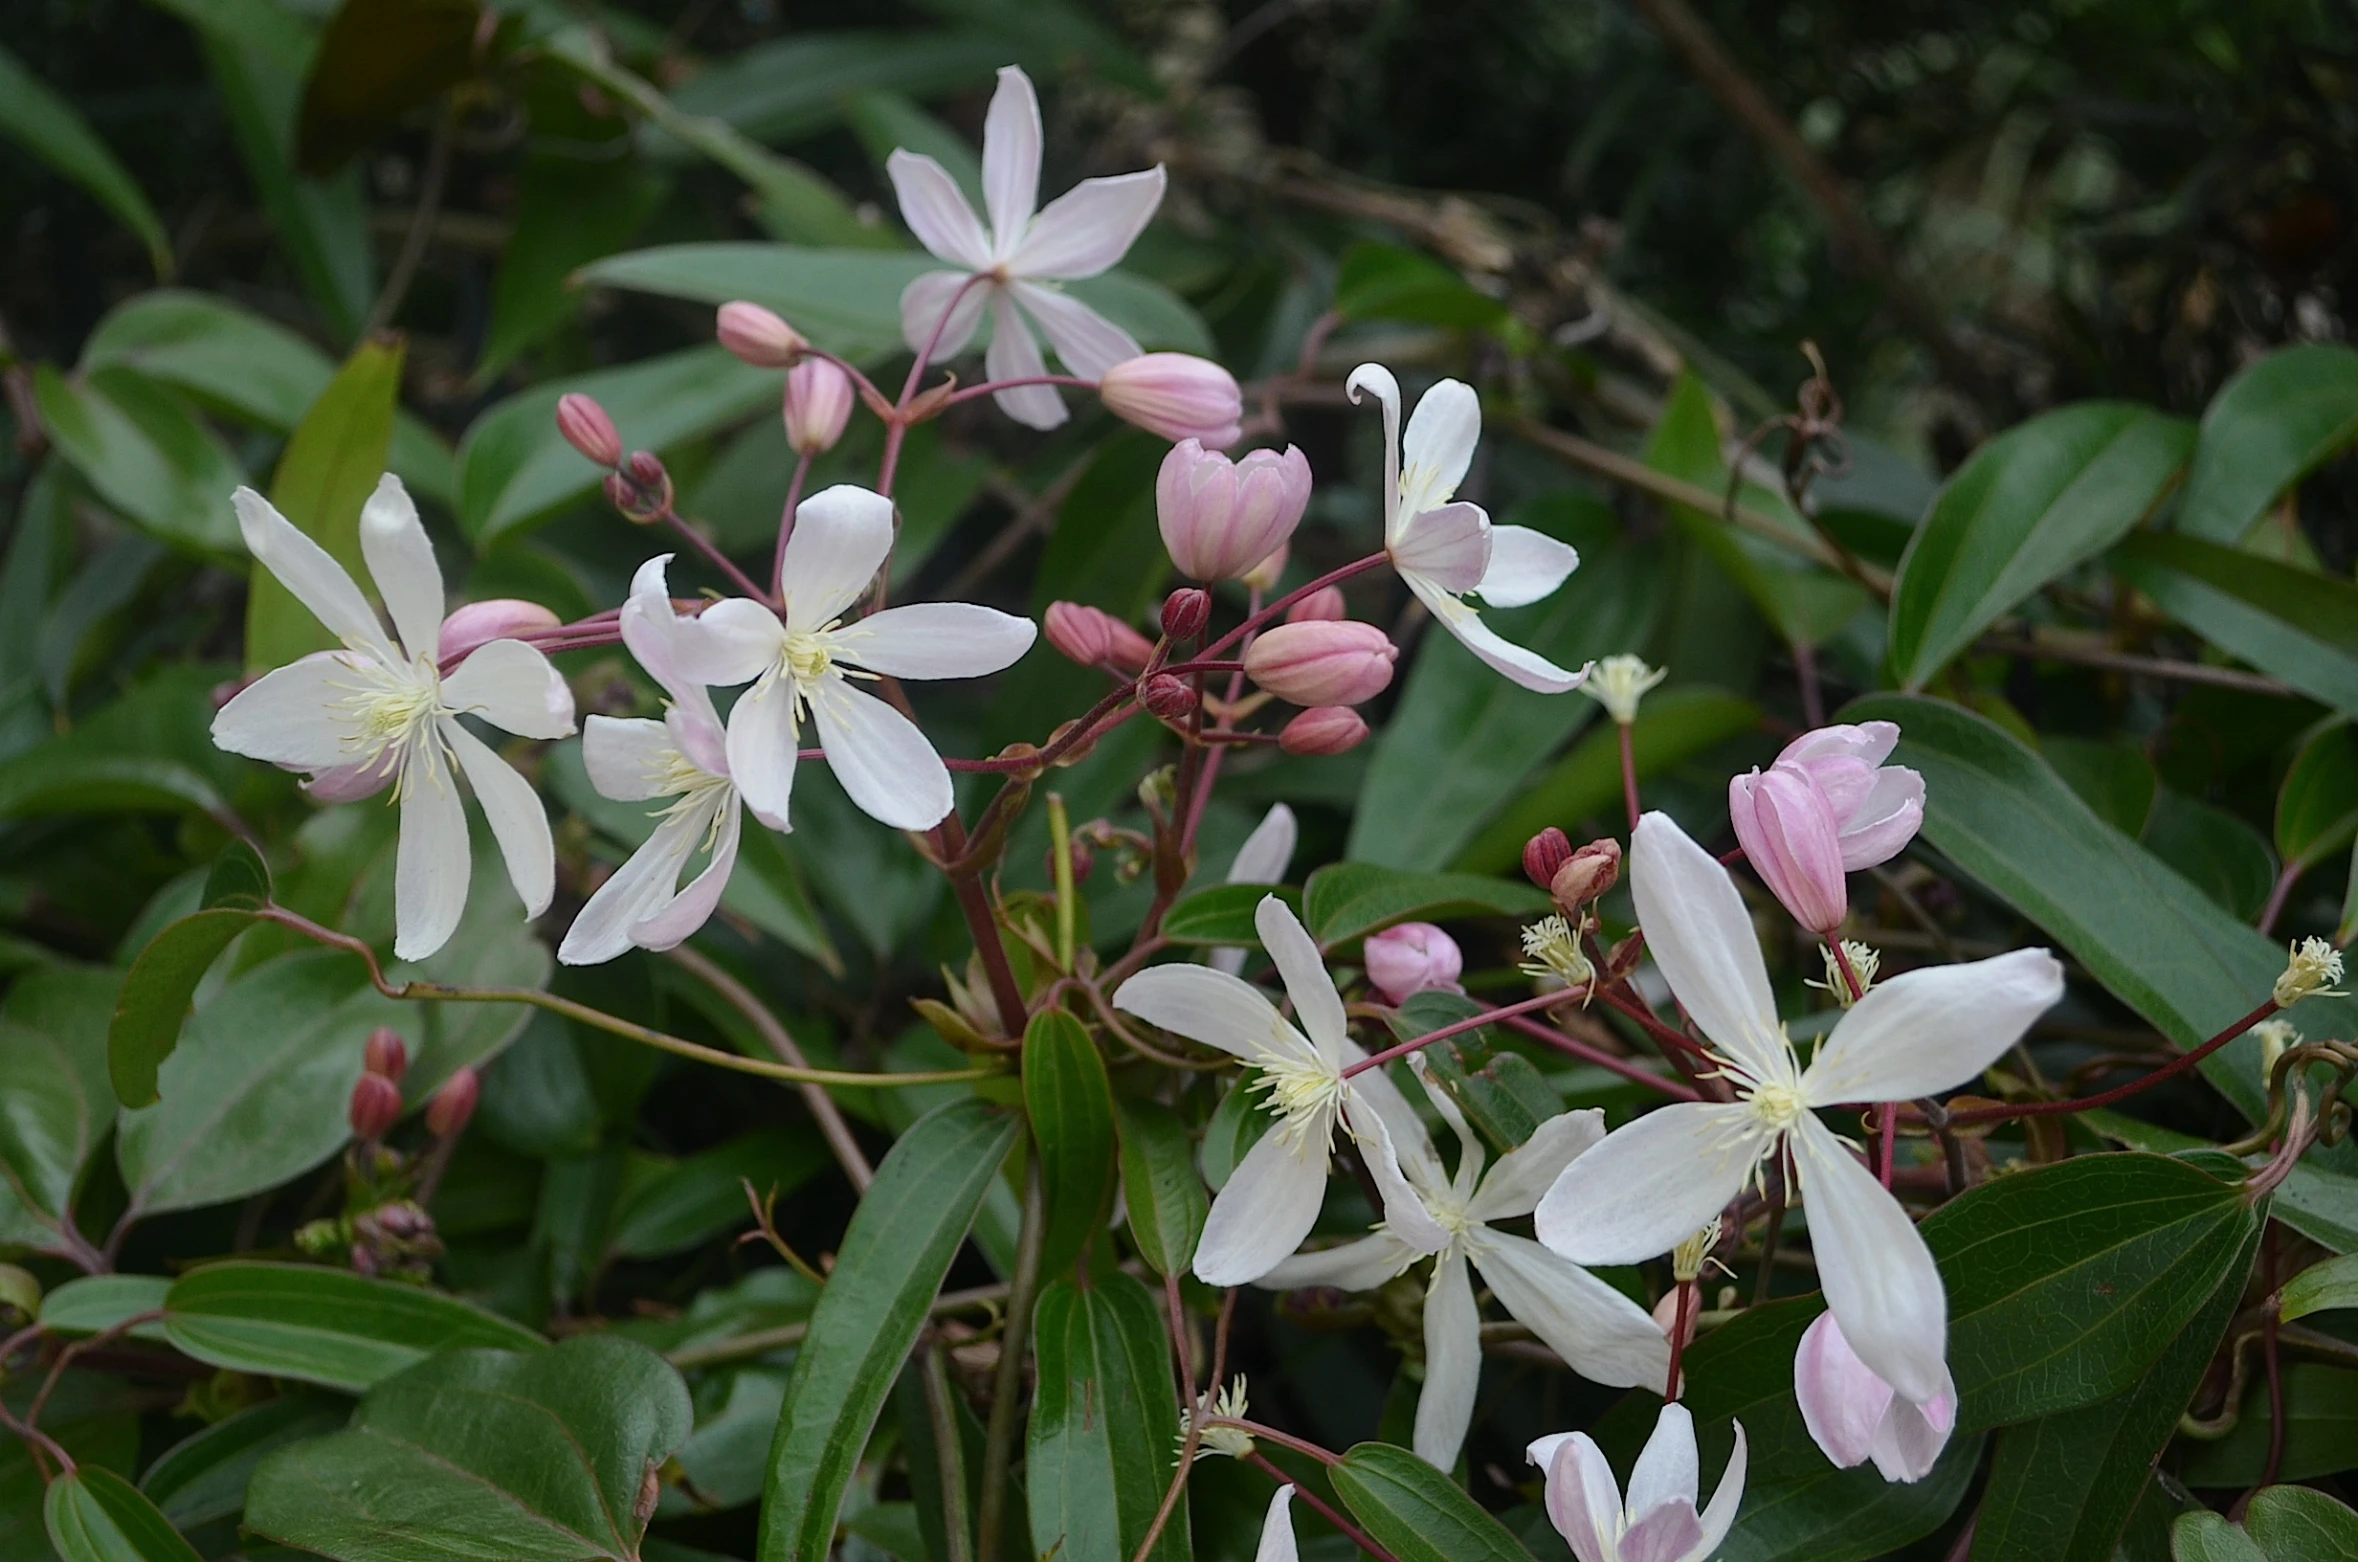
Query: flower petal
[[1701, 936], [512, 686], [518, 820], [1583, 1500], [401, 561], [1011, 158], [1933, 1029], [668, 645], [1411, 1143], [1438, 445], [1277, 1530], [1453, 1364], [1524, 1174], [1268, 851], [1317, 1006], [1525, 566], [1601, 1334], [1652, 1183], [1909, 1441], [298, 715], [1726, 1497], [1214, 1008], [1525, 667], [763, 746], [941, 309], [936, 210], [1842, 1401], [1448, 545], [1088, 228], [1086, 342], [693, 907], [1885, 820], [733, 641], [1879, 1277], [1377, 380], [628, 757], [935, 640], [884, 762], [1667, 1469], [1014, 355], [644, 884], [311, 574], [1355, 1266], [431, 863], [1868, 742], [1405, 1214], [1667, 1534], [841, 536], [1268, 1206]]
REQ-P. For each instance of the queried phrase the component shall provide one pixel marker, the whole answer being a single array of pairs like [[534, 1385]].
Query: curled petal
[[1448, 545], [644, 884], [1277, 1530], [1842, 1401], [1868, 743], [1885, 820], [1583, 1499], [628, 757], [1519, 664], [1909, 1442], [693, 906], [1880, 1280], [1791, 839], [1376, 380]]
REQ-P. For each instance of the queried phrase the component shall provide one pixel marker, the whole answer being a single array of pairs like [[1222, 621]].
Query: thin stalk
[[421, 224], [2280, 894], [1574, 1047], [760, 1342], [773, 1032], [2183, 1062], [1007, 1382], [988, 387], [1060, 839], [1805, 673], [1629, 786], [896, 427], [1333, 577], [712, 554], [1886, 1112], [2269, 1355], [1191, 1404], [1456, 1028], [974, 903], [802, 472], [949, 1452], [1682, 1319]]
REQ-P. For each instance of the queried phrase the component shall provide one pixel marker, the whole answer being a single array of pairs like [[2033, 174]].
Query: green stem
[[1007, 1383], [949, 1454]]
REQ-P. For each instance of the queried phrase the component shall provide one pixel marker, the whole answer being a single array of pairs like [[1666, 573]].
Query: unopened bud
[[640, 488], [1323, 730], [477, 624], [1176, 395], [818, 406], [453, 1106], [1585, 875], [588, 429], [1095, 638], [376, 1106], [1325, 662], [1221, 518], [758, 336], [1167, 696], [1320, 606], [386, 1054], [1544, 854], [1411, 958], [1187, 612]]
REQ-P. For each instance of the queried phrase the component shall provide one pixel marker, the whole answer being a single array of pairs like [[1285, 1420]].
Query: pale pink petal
[[299, 715], [927, 299], [1667, 1534], [512, 686], [431, 862], [936, 211], [1088, 228], [1013, 355], [1790, 838], [935, 640], [1448, 546], [1524, 1174], [1879, 1277], [1909, 1441], [1720, 1516], [841, 536], [1600, 1333], [1355, 1266], [311, 574], [352, 783], [1214, 1008], [644, 884], [1933, 1029], [1701, 936], [1453, 1364], [628, 757], [1652, 1183], [1268, 1206], [1086, 342], [1868, 742], [694, 905], [1011, 158], [401, 561], [884, 762], [519, 823], [669, 646], [733, 641], [1525, 567], [763, 745], [1880, 828], [1583, 1499], [1667, 1470], [1842, 1401]]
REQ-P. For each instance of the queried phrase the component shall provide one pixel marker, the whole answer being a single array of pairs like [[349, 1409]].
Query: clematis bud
[[818, 405], [1412, 958], [500, 618], [1176, 395], [1095, 638], [640, 488], [1322, 605], [758, 336], [376, 1106], [588, 429], [1187, 612], [1544, 853], [1264, 576], [1220, 518], [1325, 662], [453, 1106], [1878, 808], [1854, 1416], [1585, 875], [1323, 730], [1168, 696], [386, 1054], [1791, 839]]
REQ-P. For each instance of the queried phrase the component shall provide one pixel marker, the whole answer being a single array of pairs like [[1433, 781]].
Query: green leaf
[[1161, 1192], [377, 60], [332, 463], [2321, 1431], [2209, 1537], [51, 129], [156, 995], [2037, 500], [479, 1453], [95, 1515], [1236, 1125], [1415, 1512], [2320, 1287], [2215, 850], [2297, 1524], [886, 121], [1348, 900], [145, 452], [54, 1103], [2317, 808], [1223, 914], [907, 1229], [96, 1420], [1387, 282], [2271, 425], [570, 210], [2102, 1259], [203, 1477], [1502, 1093], [1100, 1453], [95, 1304], [325, 1326], [682, 1204], [2297, 626], [2111, 775], [1070, 1104], [786, 88], [239, 880]]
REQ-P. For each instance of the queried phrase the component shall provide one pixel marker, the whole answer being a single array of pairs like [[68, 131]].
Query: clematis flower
[[683, 758], [381, 710], [1262, 859], [808, 659], [1273, 1197], [1277, 1530], [1601, 1334], [1660, 1522], [1445, 551], [1827, 807], [1854, 1416], [1666, 1174], [1415, 957], [1020, 257]]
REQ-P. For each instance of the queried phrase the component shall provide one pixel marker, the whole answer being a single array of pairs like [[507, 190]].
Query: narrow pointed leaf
[[1102, 1425], [95, 1515], [2317, 808], [49, 127], [1348, 900], [2269, 427], [156, 996], [1417, 1513], [325, 1326], [1070, 1103], [2295, 625], [1162, 1192]]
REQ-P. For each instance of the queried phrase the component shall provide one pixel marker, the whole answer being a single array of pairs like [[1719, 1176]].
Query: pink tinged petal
[[763, 744], [1088, 228], [841, 537], [1701, 936], [1789, 837], [1909, 1441], [936, 211], [1526, 566], [1583, 1500], [693, 906], [935, 640], [1524, 1174], [942, 309], [884, 762], [628, 757], [1376, 380], [1879, 1277], [645, 883], [1438, 445], [1519, 665], [473, 624], [1453, 1364], [1405, 1214], [1268, 851], [310, 573], [1842, 1401], [1448, 546], [1355, 1266], [1086, 342], [1868, 743], [699, 736], [1885, 820], [1933, 1029], [1014, 355], [401, 561], [1667, 1470], [1277, 1530], [1652, 1183], [1268, 1206], [1011, 158], [1720, 1515], [655, 634], [352, 783], [1668, 1534], [431, 863], [731, 642], [297, 716], [1214, 1008], [512, 686], [1600, 1333], [518, 821], [1845, 781], [1317, 1005]]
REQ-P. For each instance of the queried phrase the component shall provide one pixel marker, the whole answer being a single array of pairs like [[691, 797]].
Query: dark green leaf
[[1236, 1125], [2321, 1431], [2267, 429], [886, 121], [95, 1304], [906, 1231], [203, 1476], [788, 87], [1386, 282], [2208, 1537], [145, 452], [2298, 626], [1070, 1104], [95, 1515], [1223, 914], [1161, 1191], [239, 880], [1502, 1094], [2112, 776], [96, 1419], [51, 129], [1348, 900], [156, 996], [1101, 1444], [2215, 850], [682, 1204], [1417, 1513], [569, 211], [2317, 809], [2321, 1287], [55, 1107], [377, 60], [2296, 1524], [324, 1326]]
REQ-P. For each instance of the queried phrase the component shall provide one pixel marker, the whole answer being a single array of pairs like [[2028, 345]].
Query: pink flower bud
[[1324, 730], [386, 1054], [1095, 638], [1854, 1416], [1177, 396], [1326, 662], [588, 429], [453, 1106], [1790, 838], [1186, 612], [1319, 606], [1221, 518], [376, 1107], [1264, 576], [499, 618], [1544, 853], [1168, 696], [351, 783], [1412, 958], [1878, 808], [818, 405], [757, 336], [1585, 875]]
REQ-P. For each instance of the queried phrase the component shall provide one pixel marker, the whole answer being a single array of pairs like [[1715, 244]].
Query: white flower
[[1619, 682], [682, 757], [1656, 1179], [1273, 1197], [1444, 550], [2313, 968], [1603, 1335], [380, 709], [1660, 1522], [1262, 859], [1080, 234], [808, 659], [2276, 1038], [1277, 1530]]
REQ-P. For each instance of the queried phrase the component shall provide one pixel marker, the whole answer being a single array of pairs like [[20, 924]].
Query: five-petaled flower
[[381, 711]]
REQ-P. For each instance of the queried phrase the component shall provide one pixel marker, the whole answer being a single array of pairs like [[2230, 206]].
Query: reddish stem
[[802, 471], [1574, 1047], [2179, 1065], [1629, 786], [1680, 1323], [1458, 1028], [1359, 1537], [1331, 578]]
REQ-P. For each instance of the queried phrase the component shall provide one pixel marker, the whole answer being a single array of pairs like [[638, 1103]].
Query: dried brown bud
[[1585, 875], [1544, 854], [1187, 612], [1167, 696], [386, 1054]]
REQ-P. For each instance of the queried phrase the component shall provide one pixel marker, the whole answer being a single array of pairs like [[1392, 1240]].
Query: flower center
[[389, 706], [808, 658], [1301, 1091], [1779, 1105]]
